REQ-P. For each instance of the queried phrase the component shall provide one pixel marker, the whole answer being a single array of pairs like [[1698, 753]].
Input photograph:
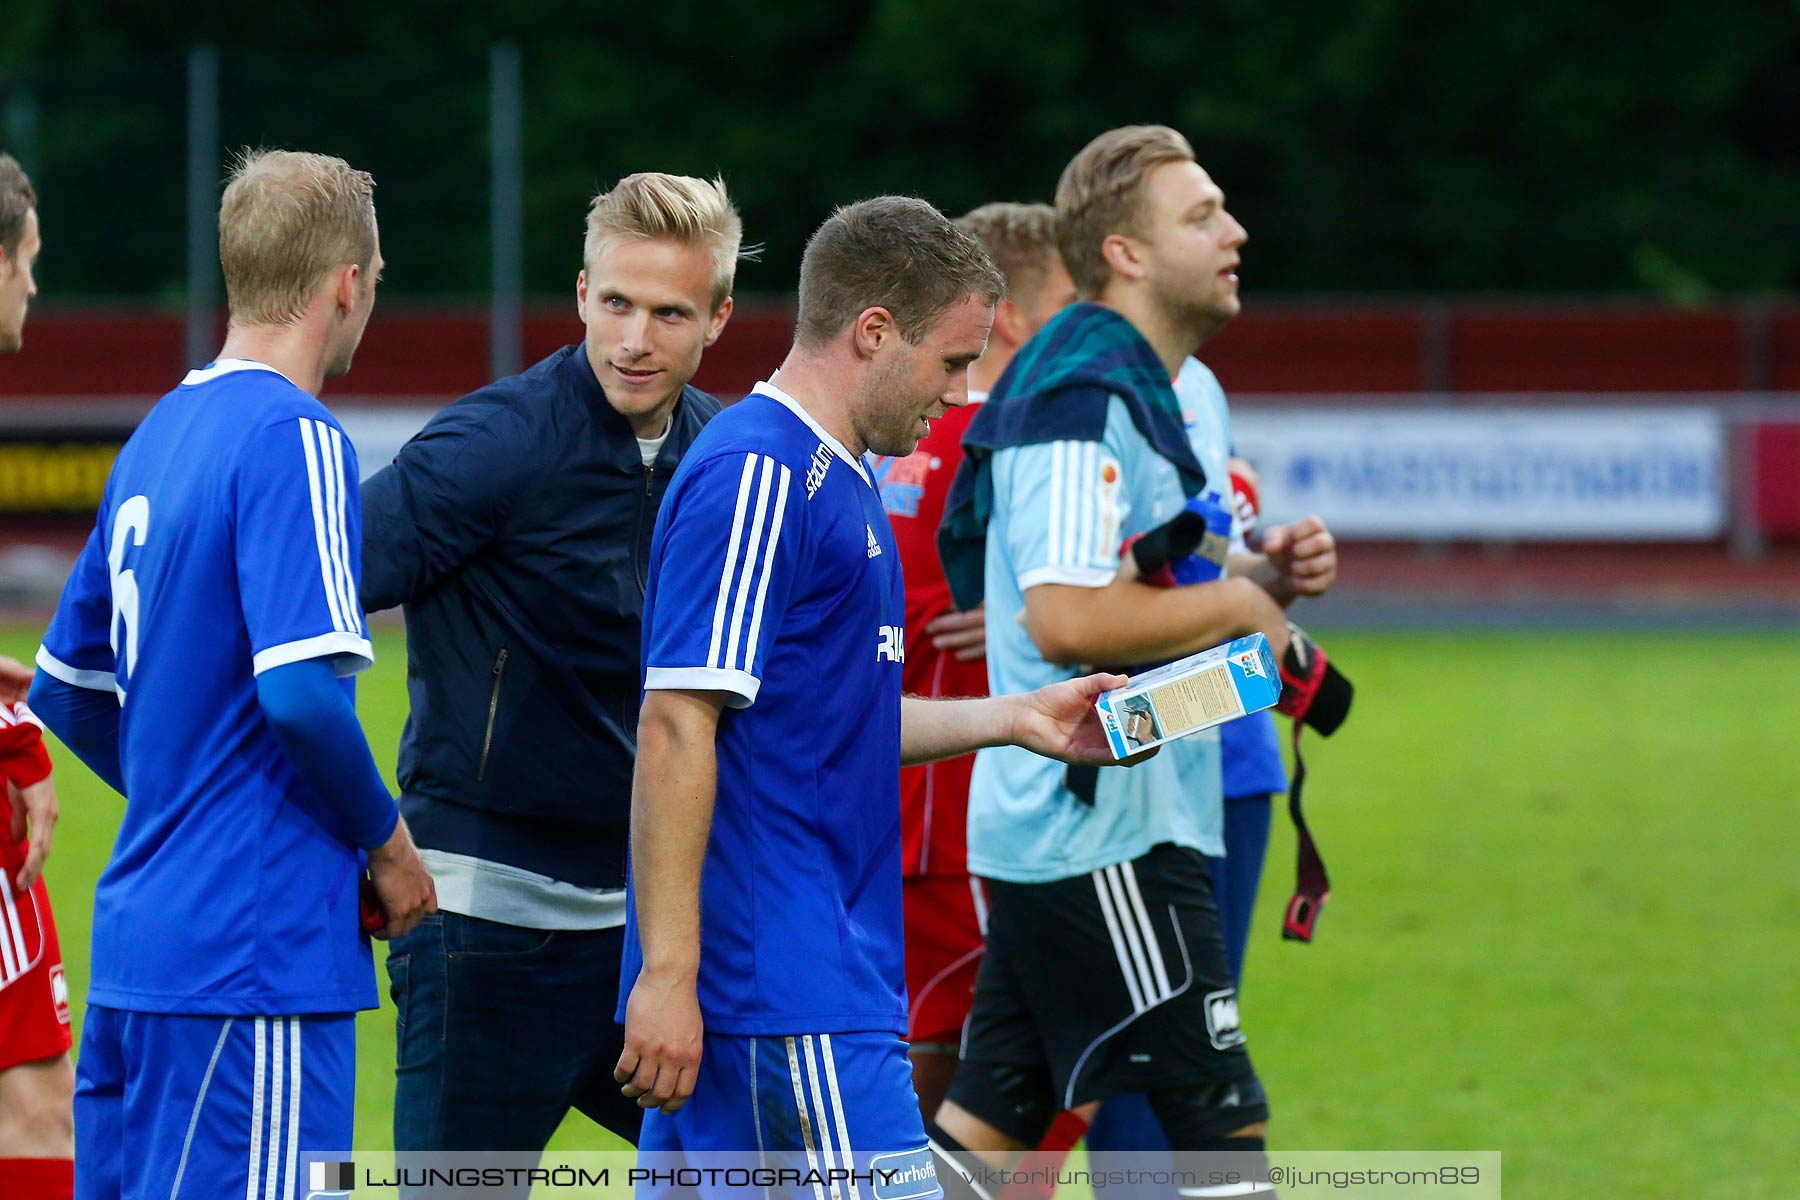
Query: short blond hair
[[1020, 238], [1102, 192], [287, 221], [677, 208]]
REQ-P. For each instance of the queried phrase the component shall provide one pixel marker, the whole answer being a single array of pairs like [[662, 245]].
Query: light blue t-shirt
[[1251, 745], [1061, 512]]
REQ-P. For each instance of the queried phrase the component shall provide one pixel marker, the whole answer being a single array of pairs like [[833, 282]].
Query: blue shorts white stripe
[[207, 1107], [836, 1111]]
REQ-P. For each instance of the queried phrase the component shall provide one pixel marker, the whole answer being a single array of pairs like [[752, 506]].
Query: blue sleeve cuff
[[316, 725], [85, 719]]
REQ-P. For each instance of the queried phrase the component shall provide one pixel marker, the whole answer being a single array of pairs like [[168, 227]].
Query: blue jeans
[[501, 1031]]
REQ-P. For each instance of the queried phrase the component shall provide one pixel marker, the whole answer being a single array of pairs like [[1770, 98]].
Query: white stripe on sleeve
[[1058, 452], [1090, 494], [346, 580], [752, 563], [315, 485], [731, 552], [56, 668], [762, 588], [332, 473]]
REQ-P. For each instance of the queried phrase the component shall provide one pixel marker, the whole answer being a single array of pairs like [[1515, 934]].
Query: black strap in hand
[[1312, 886]]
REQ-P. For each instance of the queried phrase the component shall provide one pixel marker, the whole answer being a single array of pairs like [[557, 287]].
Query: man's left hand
[[963, 634], [15, 680], [1305, 553], [1059, 721]]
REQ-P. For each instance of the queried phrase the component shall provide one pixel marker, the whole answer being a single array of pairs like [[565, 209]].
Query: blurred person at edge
[[515, 528], [945, 656], [37, 1081]]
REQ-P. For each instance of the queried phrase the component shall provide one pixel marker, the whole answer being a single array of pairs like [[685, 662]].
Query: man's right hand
[[402, 883], [663, 1031], [1305, 553]]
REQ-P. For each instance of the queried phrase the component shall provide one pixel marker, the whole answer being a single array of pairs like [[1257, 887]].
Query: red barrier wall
[[1775, 461], [1273, 348]]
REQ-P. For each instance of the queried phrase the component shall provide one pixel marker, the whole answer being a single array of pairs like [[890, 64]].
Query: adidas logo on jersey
[[891, 644], [874, 546], [821, 463]]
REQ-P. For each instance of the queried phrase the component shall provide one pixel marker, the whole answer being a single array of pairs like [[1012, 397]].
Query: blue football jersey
[[774, 578], [227, 544]]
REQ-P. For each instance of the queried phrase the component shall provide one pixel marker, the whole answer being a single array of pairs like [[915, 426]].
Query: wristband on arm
[[23, 759], [1248, 504], [1312, 690], [1189, 547]]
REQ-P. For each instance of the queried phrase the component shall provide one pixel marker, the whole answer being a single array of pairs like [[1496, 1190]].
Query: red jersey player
[[945, 657], [37, 1082]]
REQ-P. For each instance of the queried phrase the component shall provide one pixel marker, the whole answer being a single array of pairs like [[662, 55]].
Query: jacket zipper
[[487, 740], [637, 560]]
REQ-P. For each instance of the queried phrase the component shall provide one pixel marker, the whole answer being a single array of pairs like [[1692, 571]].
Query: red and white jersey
[[23, 762], [34, 996], [934, 799]]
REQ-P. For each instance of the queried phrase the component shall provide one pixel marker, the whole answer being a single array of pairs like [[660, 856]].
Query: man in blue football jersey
[[199, 662], [766, 1008]]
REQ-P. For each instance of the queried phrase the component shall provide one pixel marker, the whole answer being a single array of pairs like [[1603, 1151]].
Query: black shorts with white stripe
[[1109, 983]]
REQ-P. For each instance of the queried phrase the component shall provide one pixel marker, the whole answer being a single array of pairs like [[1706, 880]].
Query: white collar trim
[[228, 366], [765, 388]]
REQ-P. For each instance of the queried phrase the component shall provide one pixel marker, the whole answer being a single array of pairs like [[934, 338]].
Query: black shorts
[[1115, 982]]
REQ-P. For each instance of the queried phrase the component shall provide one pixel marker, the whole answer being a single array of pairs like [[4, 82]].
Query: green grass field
[[1562, 926]]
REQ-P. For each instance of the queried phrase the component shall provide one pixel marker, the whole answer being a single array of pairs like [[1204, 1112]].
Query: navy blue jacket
[[515, 528]]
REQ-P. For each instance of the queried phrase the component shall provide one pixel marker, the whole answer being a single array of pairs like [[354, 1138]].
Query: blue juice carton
[[1190, 694]]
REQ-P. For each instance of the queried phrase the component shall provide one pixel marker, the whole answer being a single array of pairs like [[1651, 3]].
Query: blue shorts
[[824, 1108], [176, 1107]]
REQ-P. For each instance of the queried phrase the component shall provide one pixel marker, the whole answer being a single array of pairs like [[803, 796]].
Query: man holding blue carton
[[1105, 971]]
